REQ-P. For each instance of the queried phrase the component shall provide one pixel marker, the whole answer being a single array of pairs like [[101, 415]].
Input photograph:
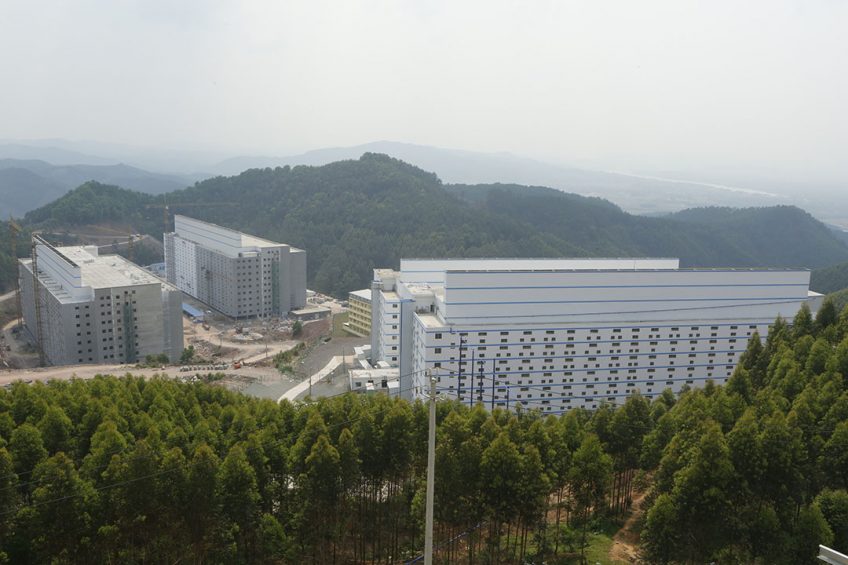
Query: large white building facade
[[556, 334], [97, 308], [235, 273]]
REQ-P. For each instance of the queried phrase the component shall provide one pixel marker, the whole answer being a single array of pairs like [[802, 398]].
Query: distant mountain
[[637, 194], [352, 216], [28, 184], [51, 154], [653, 194], [71, 152]]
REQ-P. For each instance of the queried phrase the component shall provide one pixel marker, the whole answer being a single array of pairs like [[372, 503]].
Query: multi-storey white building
[[238, 274], [555, 334], [97, 308]]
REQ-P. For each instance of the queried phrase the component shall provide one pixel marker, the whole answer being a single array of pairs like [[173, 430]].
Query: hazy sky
[[741, 83]]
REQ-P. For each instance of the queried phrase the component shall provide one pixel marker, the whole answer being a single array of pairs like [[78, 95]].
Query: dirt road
[[90, 371], [625, 542]]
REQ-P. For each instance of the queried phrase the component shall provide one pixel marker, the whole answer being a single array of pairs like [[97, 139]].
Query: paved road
[[8, 296], [303, 387], [90, 371], [272, 350]]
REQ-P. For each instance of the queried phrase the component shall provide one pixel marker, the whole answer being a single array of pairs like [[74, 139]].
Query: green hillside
[[839, 298], [830, 279], [776, 236], [26, 184], [136, 470], [8, 265], [353, 216]]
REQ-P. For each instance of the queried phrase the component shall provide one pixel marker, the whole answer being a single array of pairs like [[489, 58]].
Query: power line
[[70, 496]]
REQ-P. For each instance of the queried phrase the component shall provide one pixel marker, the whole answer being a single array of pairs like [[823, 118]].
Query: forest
[[830, 279], [127, 470], [354, 216]]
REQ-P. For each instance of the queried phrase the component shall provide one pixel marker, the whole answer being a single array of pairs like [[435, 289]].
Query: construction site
[[265, 354], [237, 354]]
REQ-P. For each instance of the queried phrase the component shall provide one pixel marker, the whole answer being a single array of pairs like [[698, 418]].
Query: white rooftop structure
[[432, 271], [74, 272], [228, 242]]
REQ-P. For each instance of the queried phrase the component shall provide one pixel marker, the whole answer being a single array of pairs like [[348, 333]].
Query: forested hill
[[153, 471], [353, 216], [26, 184], [774, 236], [830, 279]]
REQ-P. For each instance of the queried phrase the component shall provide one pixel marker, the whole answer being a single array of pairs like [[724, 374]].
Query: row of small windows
[[440, 335]]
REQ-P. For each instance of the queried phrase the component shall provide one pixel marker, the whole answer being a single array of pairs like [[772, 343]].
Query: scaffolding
[[14, 229], [36, 290]]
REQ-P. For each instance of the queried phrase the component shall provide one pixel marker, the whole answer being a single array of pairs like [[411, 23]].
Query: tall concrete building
[[235, 273], [97, 308], [556, 334]]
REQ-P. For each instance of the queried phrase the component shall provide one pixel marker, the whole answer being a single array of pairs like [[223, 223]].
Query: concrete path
[[303, 386]]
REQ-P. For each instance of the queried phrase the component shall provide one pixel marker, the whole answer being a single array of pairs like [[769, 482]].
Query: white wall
[[433, 270], [220, 239], [574, 296]]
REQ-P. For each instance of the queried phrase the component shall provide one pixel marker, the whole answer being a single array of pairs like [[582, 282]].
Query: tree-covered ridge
[[830, 279], [777, 235], [353, 216], [8, 264], [128, 470], [93, 202], [757, 471]]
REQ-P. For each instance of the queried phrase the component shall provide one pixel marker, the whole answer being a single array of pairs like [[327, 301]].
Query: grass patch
[[8, 311], [600, 542], [339, 320]]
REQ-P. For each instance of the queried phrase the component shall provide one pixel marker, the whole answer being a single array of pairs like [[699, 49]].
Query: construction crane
[[14, 230]]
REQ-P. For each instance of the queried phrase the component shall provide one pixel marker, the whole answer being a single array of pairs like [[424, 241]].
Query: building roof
[[72, 273], [106, 271], [364, 294], [192, 311], [221, 238]]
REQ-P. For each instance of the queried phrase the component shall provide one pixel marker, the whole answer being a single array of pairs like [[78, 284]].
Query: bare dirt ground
[[256, 344], [625, 542]]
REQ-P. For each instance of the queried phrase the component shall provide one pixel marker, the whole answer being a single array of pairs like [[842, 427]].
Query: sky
[[640, 85]]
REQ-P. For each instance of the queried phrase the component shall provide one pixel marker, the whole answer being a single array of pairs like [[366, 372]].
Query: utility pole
[[471, 382], [431, 473], [493, 385]]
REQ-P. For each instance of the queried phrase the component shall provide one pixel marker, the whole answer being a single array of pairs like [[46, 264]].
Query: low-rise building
[[359, 313]]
